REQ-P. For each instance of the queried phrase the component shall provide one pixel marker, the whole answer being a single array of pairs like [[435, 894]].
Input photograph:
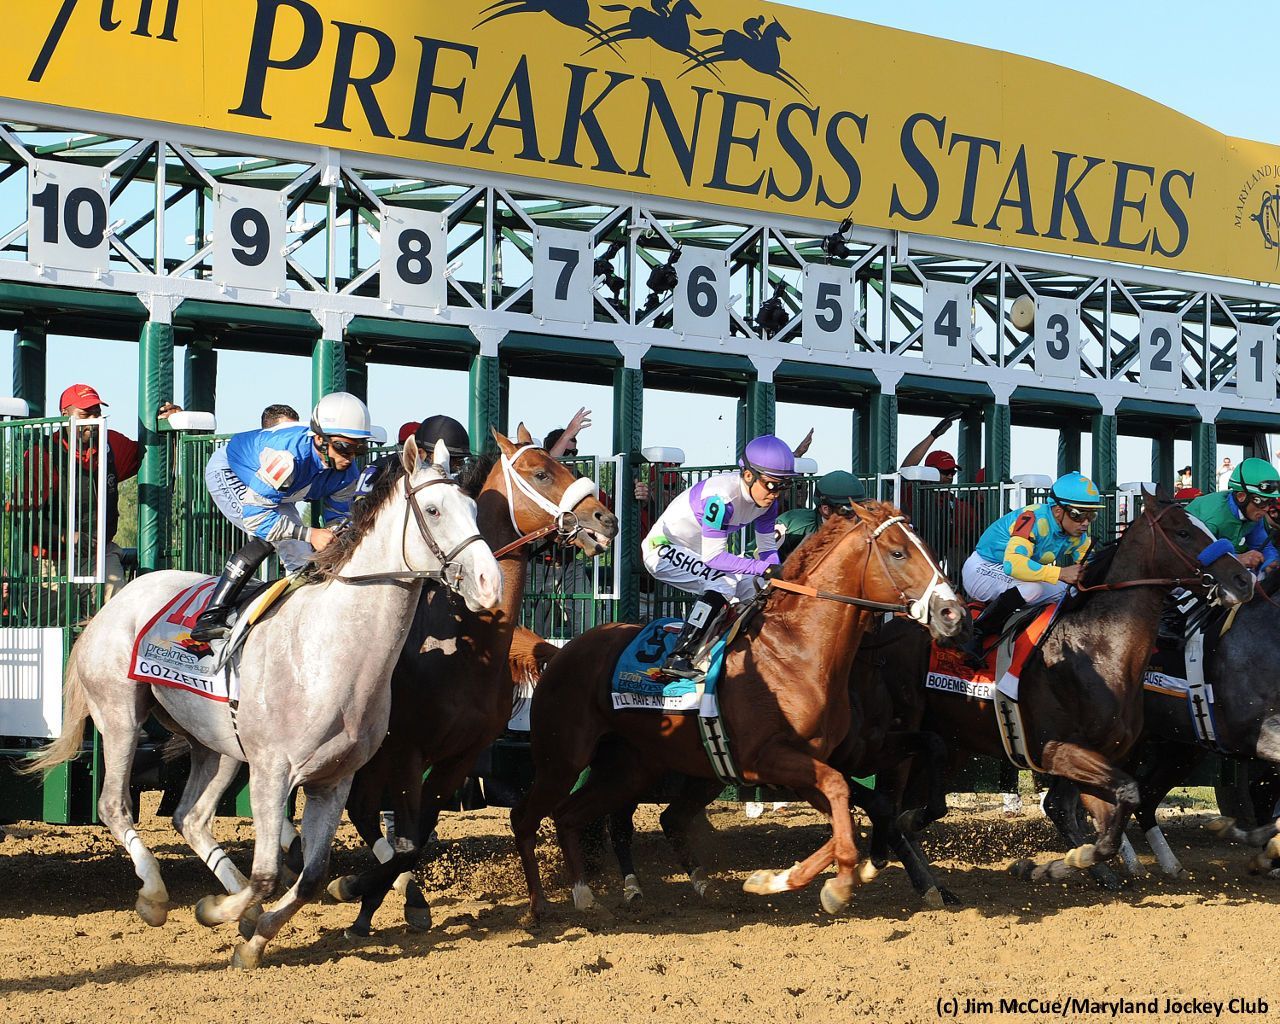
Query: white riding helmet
[[341, 415]]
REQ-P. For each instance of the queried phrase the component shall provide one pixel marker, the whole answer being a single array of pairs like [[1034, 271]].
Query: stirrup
[[681, 667], [215, 629]]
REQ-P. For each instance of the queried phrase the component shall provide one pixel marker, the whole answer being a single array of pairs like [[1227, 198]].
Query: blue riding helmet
[[1076, 490], [769, 456]]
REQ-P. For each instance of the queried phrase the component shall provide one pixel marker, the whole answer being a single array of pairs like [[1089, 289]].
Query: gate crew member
[[687, 546], [1031, 555], [1242, 513], [260, 476], [833, 495]]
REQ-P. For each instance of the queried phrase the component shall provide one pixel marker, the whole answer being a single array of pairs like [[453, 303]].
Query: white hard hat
[[341, 415]]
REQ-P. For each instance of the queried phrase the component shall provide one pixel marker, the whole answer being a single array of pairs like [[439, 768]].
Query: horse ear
[[441, 455], [502, 441], [522, 434], [860, 511], [409, 455]]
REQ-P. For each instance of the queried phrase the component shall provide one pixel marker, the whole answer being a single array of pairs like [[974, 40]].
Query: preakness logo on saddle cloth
[[165, 655]]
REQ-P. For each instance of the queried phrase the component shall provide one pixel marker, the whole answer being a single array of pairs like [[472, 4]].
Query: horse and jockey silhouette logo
[[667, 23], [1268, 218]]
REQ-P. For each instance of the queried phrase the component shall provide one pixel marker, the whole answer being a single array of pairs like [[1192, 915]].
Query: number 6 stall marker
[[248, 238]]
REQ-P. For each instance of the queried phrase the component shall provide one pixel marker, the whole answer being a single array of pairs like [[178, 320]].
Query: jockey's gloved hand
[[944, 424], [773, 572]]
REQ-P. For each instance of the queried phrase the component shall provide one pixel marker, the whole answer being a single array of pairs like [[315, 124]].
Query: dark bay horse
[[1246, 717], [784, 700], [1081, 691], [452, 687]]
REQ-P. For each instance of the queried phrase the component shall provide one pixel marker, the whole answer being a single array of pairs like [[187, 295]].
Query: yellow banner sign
[[745, 105]]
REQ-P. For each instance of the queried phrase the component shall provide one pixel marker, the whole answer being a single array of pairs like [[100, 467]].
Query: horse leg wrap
[[1160, 847], [698, 879], [1082, 856], [1272, 848], [582, 896], [631, 889]]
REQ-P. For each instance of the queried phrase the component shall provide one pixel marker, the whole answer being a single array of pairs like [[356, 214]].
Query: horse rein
[[450, 572], [564, 524], [918, 609], [1157, 530]]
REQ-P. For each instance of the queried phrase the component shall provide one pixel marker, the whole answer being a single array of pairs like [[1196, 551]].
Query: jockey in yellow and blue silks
[[1032, 554]]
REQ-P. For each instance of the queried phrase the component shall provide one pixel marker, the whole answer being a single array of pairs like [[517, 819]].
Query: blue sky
[[1211, 62]]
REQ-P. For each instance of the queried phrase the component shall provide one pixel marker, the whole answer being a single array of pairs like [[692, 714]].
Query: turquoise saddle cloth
[[637, 683]]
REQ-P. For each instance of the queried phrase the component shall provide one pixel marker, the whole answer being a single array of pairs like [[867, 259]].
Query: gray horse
[[314, 694]]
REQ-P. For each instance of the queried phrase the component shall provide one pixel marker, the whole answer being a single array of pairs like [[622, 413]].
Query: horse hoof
[[1022, 868], [950, 898], [761, 883], [583, 898], [357, 933], [835, 896], [1220, 825], [867, 872], [933, 898], [417, 918], [700, 882], [207, 911], [153, 913], [631, 891], [246, 957], [1260, 865], [1082, 856], [341, 889]]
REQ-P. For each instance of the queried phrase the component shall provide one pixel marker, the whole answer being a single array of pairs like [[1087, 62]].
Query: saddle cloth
[[638, 682], [997, 679], [165, 655]]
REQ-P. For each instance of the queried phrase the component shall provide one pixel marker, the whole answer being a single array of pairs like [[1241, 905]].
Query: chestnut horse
[[784, 700], [452, 687], [1081, 690]]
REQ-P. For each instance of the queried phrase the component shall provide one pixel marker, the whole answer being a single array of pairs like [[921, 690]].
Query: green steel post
[[1068, 450], [328, 368], [504, 401], [1105, 439], [628, 425], [29, 365], [970, 445], [357, 359], [762, 400], [997, 441], [858, 442], [485, 401], [1162, 468], [882, 433], [155, 387], [200, 376], [1204, 455]]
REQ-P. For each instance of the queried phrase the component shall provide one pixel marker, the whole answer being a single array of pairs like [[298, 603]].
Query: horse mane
[[815, 547], [476, 472], [325, 564]]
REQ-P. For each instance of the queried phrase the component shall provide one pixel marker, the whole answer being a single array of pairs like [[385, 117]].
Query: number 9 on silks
[[687, 547]]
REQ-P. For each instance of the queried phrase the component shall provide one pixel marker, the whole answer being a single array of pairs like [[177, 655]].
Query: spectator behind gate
[[45, 481], [279, 416], [951, 525]]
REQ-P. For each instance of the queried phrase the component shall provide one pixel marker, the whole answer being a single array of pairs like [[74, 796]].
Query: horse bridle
[[450, 572], [564, 521], [917, 609], [1206, 557]]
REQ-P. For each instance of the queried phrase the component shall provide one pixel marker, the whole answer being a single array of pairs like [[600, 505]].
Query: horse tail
[[75, 709], [614, 8], [709, 31], [530, 655]]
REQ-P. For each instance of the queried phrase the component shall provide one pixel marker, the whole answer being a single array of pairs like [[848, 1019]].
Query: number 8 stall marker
[[414, 247], [248, 238]]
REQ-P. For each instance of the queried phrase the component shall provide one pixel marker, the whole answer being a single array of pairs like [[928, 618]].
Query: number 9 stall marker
[[248, 238]]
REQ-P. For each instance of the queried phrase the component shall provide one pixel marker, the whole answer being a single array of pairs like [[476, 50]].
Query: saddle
[[164, 654]]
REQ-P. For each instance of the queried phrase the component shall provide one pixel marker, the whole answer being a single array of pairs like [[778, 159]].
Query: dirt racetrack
[[71, 948]]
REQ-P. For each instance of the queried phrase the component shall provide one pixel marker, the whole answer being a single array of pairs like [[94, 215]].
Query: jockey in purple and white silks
[[688, 546]]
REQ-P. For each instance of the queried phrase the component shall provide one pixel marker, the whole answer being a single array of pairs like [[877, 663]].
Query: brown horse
[[1081, 691], [452, 687], [784, 701]]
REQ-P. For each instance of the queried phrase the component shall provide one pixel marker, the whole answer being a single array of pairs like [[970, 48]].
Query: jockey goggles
[[1080, 515], [348, 449]]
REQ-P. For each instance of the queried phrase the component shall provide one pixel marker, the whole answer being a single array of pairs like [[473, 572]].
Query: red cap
[[941, 461], [407, 430], [79, 396]]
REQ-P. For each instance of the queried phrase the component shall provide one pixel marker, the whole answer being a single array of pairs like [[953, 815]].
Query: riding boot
[[703, 613], [990, 622], [212, 623]]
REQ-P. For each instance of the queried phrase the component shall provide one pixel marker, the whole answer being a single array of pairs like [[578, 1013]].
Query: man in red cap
[[951, 526], [47, 472]]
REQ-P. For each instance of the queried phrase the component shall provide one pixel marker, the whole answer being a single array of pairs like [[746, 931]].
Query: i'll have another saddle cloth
[[639, 683], [165, 655]]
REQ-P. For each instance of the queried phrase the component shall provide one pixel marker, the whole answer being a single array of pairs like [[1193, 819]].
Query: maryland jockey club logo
[[667, 23], [1268, 218], [1258, 203]]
